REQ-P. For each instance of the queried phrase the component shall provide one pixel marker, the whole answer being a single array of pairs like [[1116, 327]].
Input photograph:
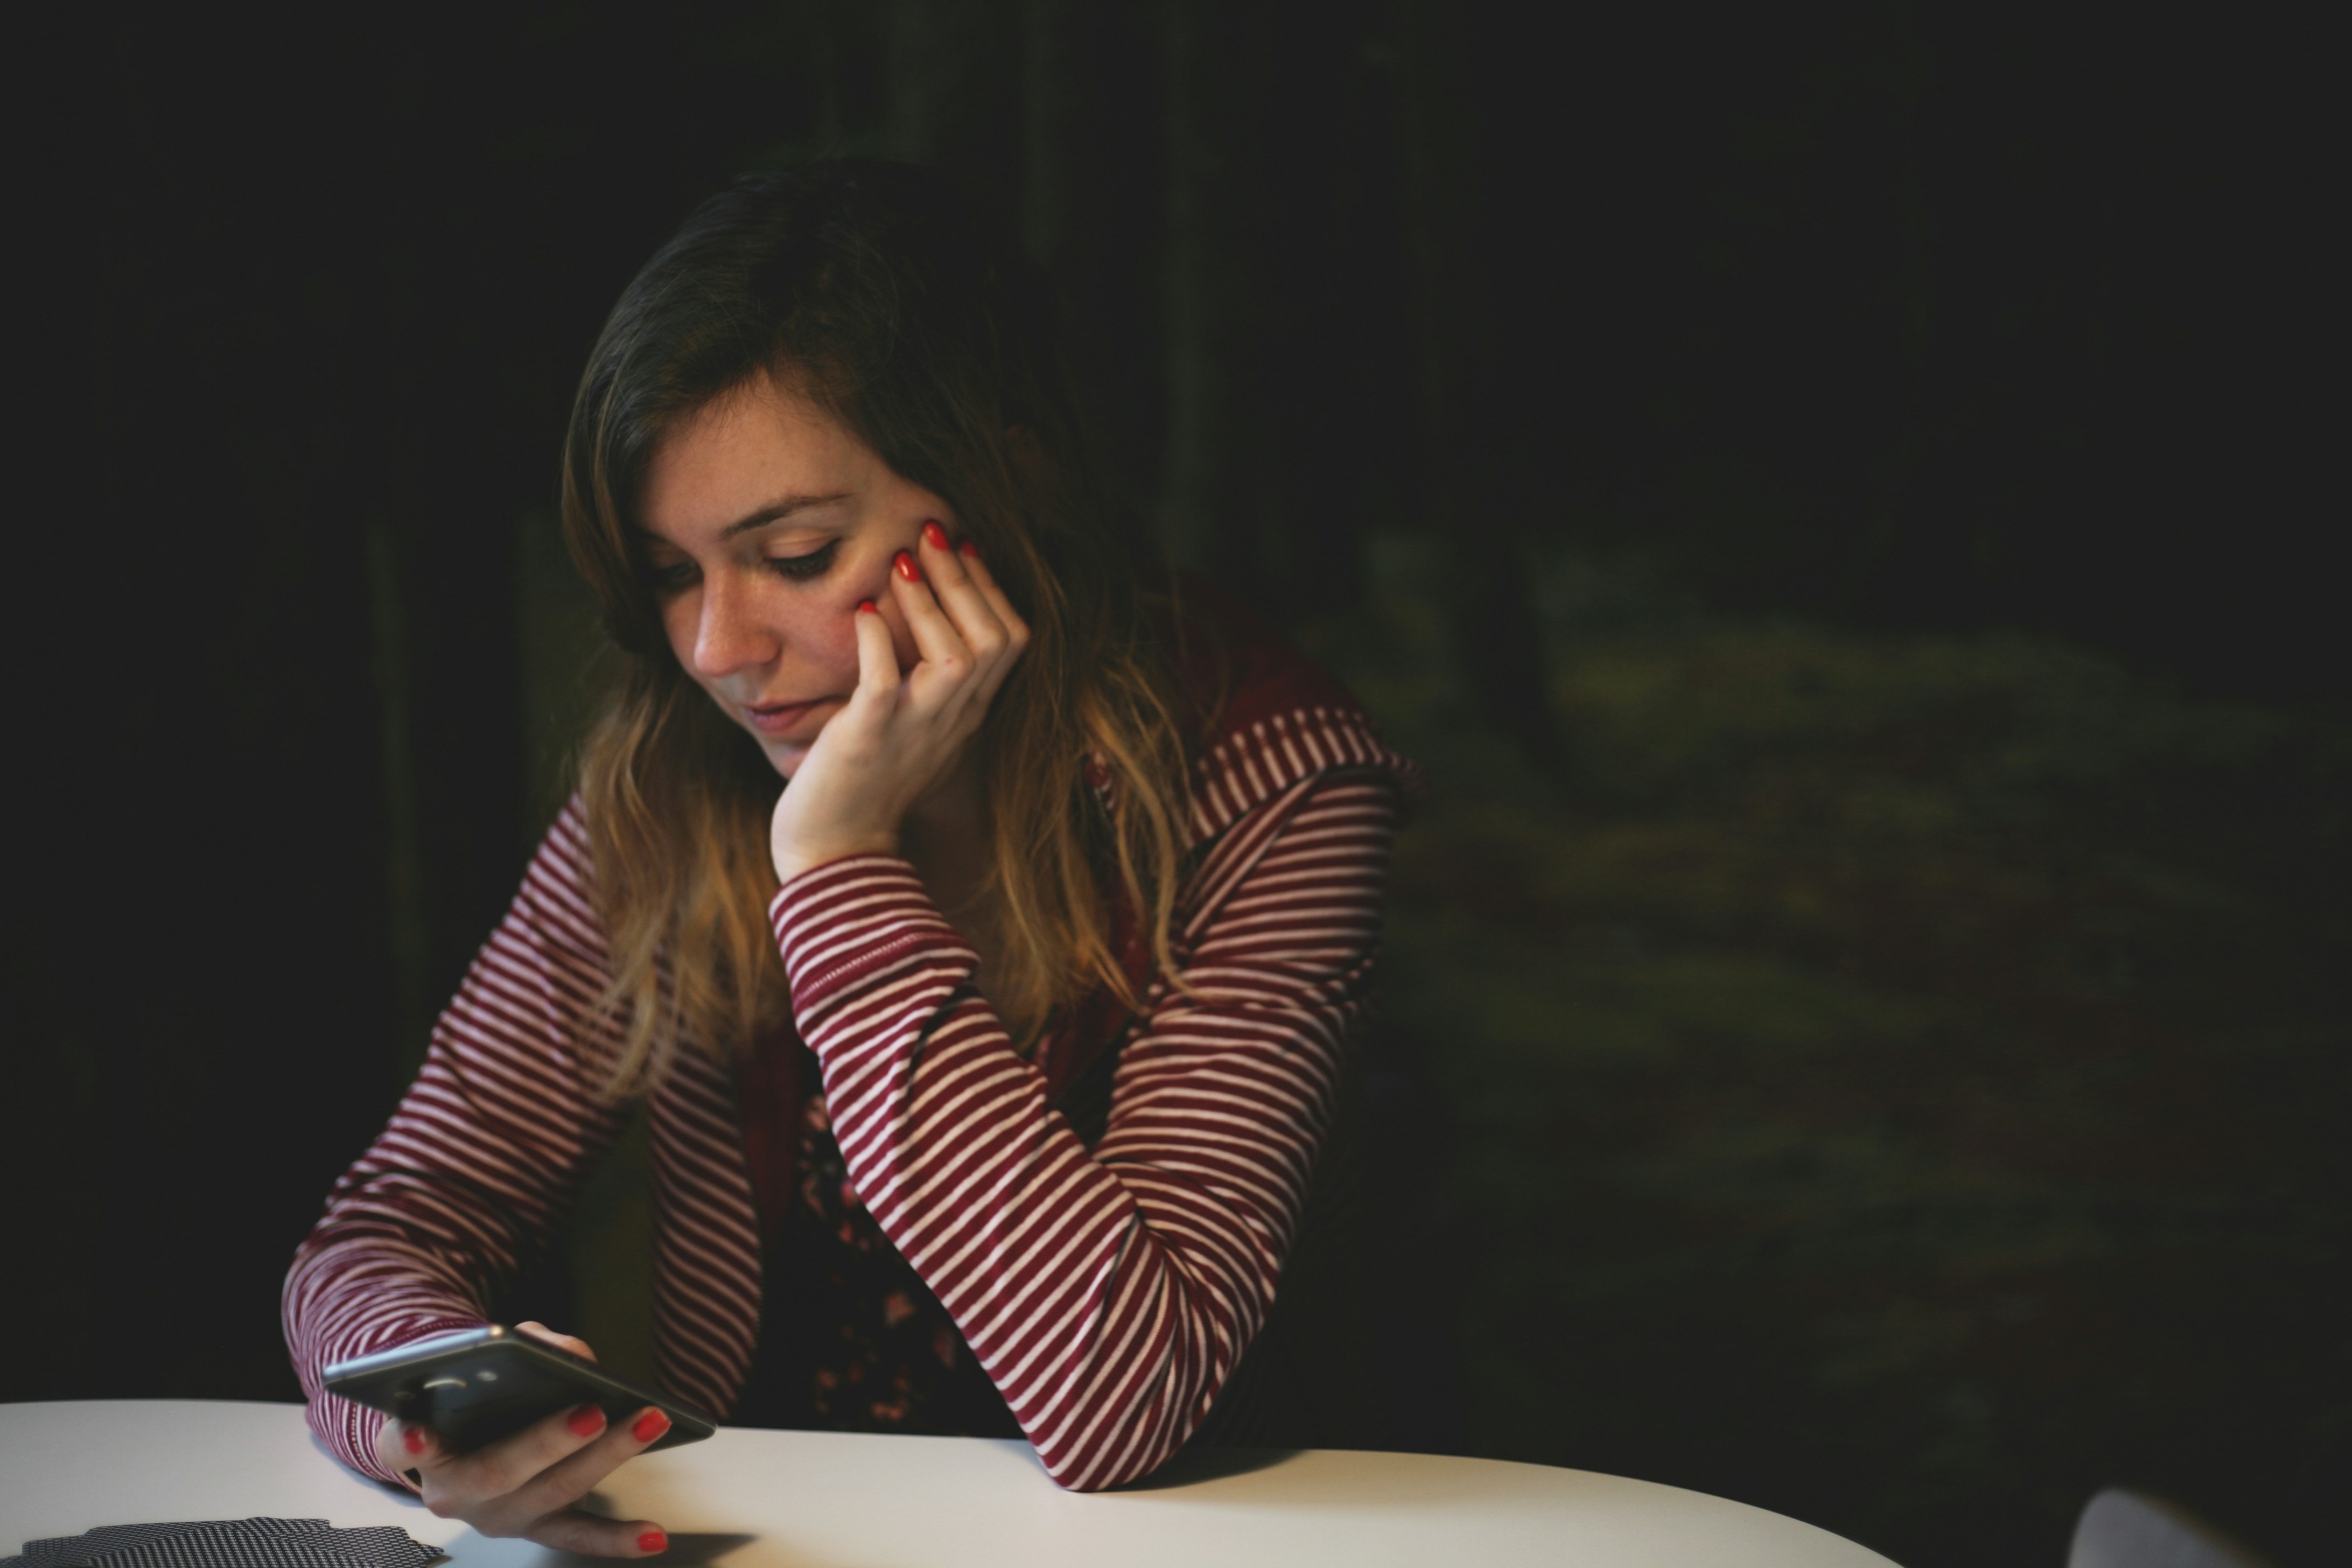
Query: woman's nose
[[728, 635]]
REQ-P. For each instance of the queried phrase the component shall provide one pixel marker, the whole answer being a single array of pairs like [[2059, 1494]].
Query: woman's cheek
[[822, 632], [837, 646]]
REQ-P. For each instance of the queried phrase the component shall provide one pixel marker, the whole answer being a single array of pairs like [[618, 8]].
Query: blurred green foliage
[[1896, 1078]]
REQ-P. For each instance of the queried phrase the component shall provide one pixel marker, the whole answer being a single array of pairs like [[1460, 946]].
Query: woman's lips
[[779, 719]]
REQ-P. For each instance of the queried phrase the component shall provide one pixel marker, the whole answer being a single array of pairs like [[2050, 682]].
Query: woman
[[988, 1062]]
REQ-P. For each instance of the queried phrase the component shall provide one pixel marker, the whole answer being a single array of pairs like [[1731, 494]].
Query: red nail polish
[[969, 548], [907, 568], [586, 1421], [413, 1439], [653, 1540], [935, 536], [865, 607], [650, 1426]]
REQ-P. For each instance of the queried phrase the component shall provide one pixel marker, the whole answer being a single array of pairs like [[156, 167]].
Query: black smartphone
[[478, 1385]]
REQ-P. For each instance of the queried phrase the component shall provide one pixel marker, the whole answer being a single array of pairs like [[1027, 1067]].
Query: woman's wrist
[[796, 860]]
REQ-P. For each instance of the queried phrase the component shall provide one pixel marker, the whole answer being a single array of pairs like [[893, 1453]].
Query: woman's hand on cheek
[[900, 734]]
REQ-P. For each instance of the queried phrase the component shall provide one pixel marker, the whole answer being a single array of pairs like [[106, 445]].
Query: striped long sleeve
[[1109, 1293], [478, 1161]]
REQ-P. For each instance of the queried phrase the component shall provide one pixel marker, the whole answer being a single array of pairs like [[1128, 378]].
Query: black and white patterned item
[[227, 1543]]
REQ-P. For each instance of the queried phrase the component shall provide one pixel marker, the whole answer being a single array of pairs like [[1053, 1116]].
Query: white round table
[[753, 1498]]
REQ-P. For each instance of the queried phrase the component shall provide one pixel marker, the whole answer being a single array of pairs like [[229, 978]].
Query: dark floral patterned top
[[851, 1339]]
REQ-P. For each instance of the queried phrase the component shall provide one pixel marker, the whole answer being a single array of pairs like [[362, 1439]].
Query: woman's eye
[[799, 567], [670, 578]]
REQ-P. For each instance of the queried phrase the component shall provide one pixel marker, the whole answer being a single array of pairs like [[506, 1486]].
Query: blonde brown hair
[[875, 292]]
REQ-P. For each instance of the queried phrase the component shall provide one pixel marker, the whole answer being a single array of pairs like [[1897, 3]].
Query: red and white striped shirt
[[1108, 1292]]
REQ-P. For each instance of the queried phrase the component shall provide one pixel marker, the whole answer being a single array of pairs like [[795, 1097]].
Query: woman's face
[[765, 523]]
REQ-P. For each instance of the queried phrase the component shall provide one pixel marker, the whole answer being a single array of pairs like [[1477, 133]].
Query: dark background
[[1833, 493]]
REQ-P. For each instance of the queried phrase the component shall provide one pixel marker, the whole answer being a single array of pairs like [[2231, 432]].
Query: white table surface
[[752, 1498]]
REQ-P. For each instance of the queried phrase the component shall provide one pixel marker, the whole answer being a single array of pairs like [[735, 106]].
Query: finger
[[983, 631], [561, 1485], [512, 1463], [975, 566], [401, 1447], [572, 1343], [878, 656], [593, 1535], [946, 657], [1014, 626]]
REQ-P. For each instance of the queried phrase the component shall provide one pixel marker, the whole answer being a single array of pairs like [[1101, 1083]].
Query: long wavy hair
[[880, 294]]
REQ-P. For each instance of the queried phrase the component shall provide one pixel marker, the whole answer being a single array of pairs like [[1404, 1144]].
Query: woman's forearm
[[1109, 1293], [482, 1150]]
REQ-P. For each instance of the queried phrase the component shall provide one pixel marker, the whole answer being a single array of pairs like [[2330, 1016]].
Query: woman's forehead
[[748, 460]]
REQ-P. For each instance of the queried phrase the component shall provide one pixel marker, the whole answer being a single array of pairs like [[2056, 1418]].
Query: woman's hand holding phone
[[529, 1484], [900, 734]]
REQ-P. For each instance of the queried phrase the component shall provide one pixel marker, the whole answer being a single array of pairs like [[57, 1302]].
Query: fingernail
[[413, 1439], [969, 548], [650, 1426], [935, 536], [907, 568], [653, 1540], [865, 607], [586, 1421]]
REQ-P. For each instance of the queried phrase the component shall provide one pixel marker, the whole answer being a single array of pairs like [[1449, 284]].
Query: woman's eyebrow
[[777, 511]]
